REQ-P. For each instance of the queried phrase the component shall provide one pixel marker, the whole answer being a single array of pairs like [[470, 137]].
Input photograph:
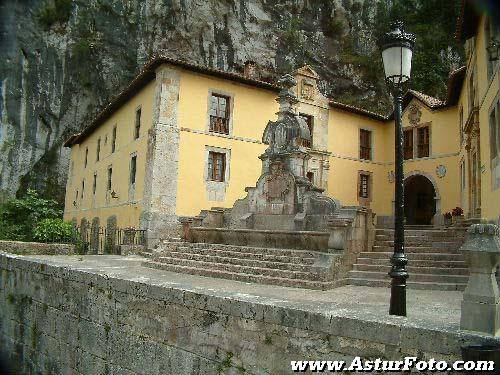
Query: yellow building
[[182, 138]]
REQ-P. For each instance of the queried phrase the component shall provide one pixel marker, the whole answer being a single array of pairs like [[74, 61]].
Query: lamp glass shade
[[397, 63]]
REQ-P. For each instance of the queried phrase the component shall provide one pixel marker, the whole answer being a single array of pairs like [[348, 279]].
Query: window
[[495, 146], [133, 168], [86, 157], [423, 141], [94, 184], [113, 140], [408, 144], [216, 166], [98, 149], [364, 186], [83, 188], [110, 176], [310, 176], [219, 114], [489, 38], [494, 134], [310, 124], [76, 197], [462, 175], [461, 124], [137, 130], [472, 93], [365, 149]]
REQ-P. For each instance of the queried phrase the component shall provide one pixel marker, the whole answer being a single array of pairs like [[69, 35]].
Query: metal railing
[[101, 240]]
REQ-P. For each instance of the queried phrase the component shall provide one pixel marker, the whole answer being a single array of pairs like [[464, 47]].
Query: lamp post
[[397, 50]]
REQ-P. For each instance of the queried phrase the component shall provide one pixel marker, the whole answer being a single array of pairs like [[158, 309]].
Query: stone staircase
[[434, 261], [285, 267]]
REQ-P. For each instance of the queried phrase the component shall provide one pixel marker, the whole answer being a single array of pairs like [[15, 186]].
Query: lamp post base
[[398, 299]]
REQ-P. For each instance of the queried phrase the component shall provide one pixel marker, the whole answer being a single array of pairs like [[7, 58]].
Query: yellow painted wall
[[252, 109], [444, 150], [343, 143], [488, 95], [127, 211]]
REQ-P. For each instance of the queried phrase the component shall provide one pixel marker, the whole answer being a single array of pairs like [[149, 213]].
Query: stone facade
[[160, 191]]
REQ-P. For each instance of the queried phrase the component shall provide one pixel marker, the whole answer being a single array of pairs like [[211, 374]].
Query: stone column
[[111, 228], [159, 217], [94, 236], [481, 299]]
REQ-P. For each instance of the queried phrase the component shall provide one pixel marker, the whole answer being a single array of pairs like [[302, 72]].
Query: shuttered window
[[137, 129], [216, 166], [423, 141], [133, 169], [408, 144], [365, 149], [113, 140], [110, 177], [219, 114]]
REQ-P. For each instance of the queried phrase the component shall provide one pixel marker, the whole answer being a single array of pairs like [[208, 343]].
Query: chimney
[[250, 70]]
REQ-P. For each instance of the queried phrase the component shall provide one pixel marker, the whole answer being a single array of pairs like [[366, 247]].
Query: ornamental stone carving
[[414, 114], [441, 171]]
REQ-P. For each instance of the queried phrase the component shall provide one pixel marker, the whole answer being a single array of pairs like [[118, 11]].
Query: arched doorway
[[420, 202]]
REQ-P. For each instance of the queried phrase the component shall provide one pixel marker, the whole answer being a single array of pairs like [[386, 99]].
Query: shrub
[[19, 217], [55, 230], [54, 11], [447, 215], [457, 211]]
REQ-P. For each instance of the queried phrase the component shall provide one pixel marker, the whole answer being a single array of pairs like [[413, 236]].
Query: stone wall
[[61, 320], [36, 248]]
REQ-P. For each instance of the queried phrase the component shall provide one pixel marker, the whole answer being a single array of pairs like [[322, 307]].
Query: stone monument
[[283, 198]]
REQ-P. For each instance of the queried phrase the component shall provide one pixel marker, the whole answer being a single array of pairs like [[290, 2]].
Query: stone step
[[442, 245], [233, 268], [385, 268], [250, 249], [417, 277], [420, 239], [413, 256], [416, 263], [260, 279], [416, 241], [417, 249], [277, 257], [410, 284], [423, 233], [299, 265]]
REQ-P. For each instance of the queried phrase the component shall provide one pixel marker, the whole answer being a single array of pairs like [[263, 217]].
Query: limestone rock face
[[63, 59]]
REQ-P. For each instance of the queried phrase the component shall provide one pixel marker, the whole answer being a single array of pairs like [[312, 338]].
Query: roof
[[146, 75], [429, 101], [455, 82], [357, 110], [468, 20]]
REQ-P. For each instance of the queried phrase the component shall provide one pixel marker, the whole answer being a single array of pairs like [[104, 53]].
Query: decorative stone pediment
[[307, 82], [307, 71]]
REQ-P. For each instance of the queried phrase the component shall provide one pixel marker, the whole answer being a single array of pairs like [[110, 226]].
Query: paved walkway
[[430, 309]]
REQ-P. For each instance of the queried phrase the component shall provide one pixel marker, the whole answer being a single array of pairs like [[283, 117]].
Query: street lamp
[[397, 50]]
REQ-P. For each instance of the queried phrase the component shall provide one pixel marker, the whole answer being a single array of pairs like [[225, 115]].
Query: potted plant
[[447, 219], [457, 215]]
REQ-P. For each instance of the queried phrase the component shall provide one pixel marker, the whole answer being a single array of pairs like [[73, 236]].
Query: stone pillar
[[481, 299], [159, 217], [84, 234], [110, 246], [94, 236]]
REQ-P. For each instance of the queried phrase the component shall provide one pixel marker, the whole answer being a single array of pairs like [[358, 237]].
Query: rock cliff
[[63, 59]]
